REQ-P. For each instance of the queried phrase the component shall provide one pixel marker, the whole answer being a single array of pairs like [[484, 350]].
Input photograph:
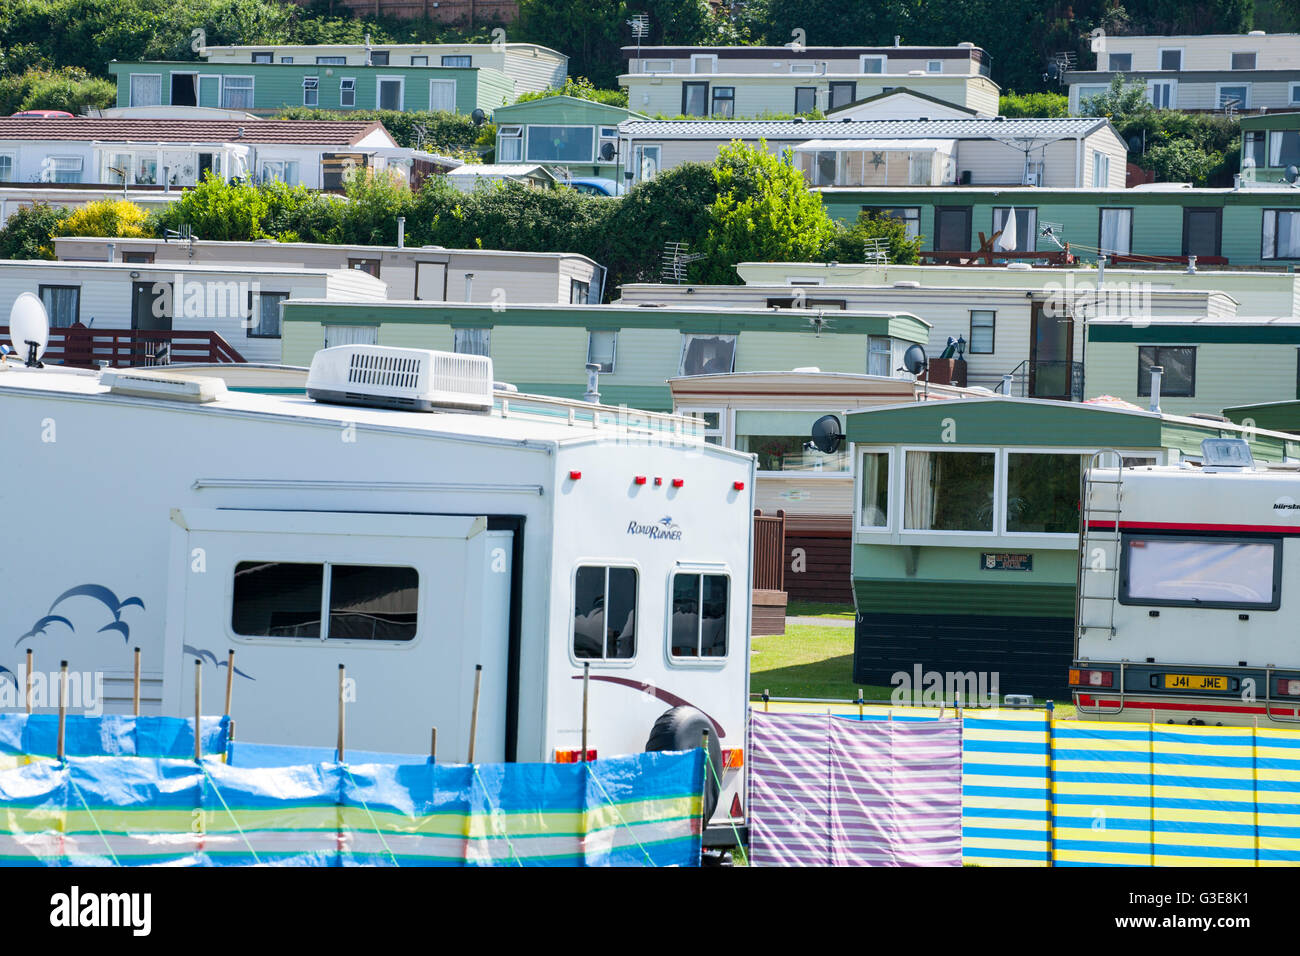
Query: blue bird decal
[[7, 674], [206, 655], [666, 520], [96, 592], [39, 626]]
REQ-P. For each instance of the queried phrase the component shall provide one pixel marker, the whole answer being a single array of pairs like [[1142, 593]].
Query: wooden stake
[[860, 703], [198, 709], [433, 745], [63, 706], [30, 666], [230, 677], [473, 717], [766, 698], [586, 681], [342, 679], [135, 685]]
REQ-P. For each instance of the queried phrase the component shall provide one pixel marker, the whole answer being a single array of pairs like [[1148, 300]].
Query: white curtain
[[918, 499], [875, 480], [1115, 229], [1270, 234], [442, 95], [351, 335], [1288, 234]]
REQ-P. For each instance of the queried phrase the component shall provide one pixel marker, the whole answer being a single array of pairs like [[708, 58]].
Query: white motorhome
[[1189, 582], [406, 519]]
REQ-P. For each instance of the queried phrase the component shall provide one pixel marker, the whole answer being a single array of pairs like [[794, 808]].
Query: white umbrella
[[1007, 241]]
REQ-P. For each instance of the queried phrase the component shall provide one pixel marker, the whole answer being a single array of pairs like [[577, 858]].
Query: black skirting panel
[[1031, 655]]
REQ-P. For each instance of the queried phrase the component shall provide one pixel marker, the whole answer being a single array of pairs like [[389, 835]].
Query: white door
[[1163, 94], [409, 605], [442, 95], [431, 281]]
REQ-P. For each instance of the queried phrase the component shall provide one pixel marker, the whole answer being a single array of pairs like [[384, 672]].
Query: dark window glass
[[371, 603], [842, 94], [1201, 232], [805, 99], [379, 58], [709, 354], [1121, 62], [700, 606], [274, 599], [695, 99], [1043, 493], [1179, 363], [1171, 59], [604, 613], [1243, 61], [724, 101], [713, 626]]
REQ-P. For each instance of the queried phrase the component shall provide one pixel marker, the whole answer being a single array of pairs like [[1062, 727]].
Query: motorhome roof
[[517, 419]]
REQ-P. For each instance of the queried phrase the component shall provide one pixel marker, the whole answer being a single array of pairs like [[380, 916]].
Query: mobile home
[[531, 537]]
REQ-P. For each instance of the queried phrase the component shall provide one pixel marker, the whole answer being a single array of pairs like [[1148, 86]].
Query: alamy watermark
[[923, 688]]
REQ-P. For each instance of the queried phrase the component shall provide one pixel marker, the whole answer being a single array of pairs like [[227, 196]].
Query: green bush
[[29, 232], [218, 210], [444, 132], [1033, 105], [580, 88], [1181, 161], [849, 244], [66, 89]]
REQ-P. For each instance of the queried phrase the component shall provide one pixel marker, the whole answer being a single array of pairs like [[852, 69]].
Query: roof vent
[[1256, 33], [144, 383], [907, 284], [419, 380]]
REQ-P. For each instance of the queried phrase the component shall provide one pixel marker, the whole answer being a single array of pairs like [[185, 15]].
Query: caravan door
[[408, 604]]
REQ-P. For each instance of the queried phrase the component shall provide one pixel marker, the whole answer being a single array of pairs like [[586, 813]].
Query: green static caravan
[[268, 88], [1210, 363], [965, 528], [564, 131], [1243, 226], [1270, 144], [1277, 416], [545, 349]]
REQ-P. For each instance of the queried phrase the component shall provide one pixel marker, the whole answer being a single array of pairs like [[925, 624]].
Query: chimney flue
[[593, 384], [1157, 373], [401, 232]]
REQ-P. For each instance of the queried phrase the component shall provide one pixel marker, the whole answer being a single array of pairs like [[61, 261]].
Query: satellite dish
[[478, 116], [914, 360], [29, 328], [607, 151], [1292, 174], [826, 435]]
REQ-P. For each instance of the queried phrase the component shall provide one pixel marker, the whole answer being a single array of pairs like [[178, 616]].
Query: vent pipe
[[1191, 265], [593, 384], [1157, 372], [1006, 384], [469, 287], [112, 249], [401, 232]]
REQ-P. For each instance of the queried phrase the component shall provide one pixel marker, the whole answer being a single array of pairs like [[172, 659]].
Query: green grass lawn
[[819, 609]]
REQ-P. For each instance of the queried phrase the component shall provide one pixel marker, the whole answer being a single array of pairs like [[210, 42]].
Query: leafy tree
[[764, 212], [219, 210], [111, 218], [580, 88], [1034, 105], [444, 131], [849, 244], [70, 89], [1122, 102], [1181, 161], [29, 231]]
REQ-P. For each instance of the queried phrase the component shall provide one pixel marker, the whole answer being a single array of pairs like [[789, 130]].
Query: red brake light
[[573, 756], [639, 479], [1288, 687], [678, 482], [575, 475], [738, 485], [1092, 678]]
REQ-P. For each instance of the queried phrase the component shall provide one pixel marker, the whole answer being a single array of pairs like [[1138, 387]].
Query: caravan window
[[1043, 493], [366, 602], [875, 490], [604, 613], [707, 354], [699, 622], [1201, 572], [948, 491]]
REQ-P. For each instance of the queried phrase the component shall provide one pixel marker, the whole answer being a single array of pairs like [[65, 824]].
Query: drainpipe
[[1078, 162], [1191, 265], [401, 232], [1101, 271], [1006, 384], [469, 287], [111, 247], [593, 384], [1156, 372]]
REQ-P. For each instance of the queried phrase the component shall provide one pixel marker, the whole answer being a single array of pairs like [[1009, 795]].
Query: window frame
[[701, 571], [528, 137], [640, 150], [1111, 66], [730, 99], [331, 60], [351, 91], [1254, 59], [472, 328], [686, 85], [130, 89], [1293, 93], [999, 492], [881, 212], [63, 286], [419, 56], [613, 359], [1276, 213], [311, 84], [687, 337], [1029, 234], [1154, 82], [733, 420], [1100, 170], [1160, 59], [993, 332], [892, 519], [722, 432], [607, 564], [1164, 391], [710, 58], [1004, 530], [268, 56], [929, 64], [515, 139], [1218, 95], [79, 168], [371, 54], [252, 91], [830, 93], [1125, 598], [812, 91], [882, 58], [444, 81], [324, 640], [443, 58], [1101, 211], [12, 156], [256, 301], [1218, 229]]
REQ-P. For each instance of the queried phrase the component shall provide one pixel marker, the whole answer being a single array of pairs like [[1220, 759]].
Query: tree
[[1120, 103], [1033, 105], [1181, 161], [580, 88], [764, 212], [110, 218], [849, 245], [70, 89], [28, 234], [219, 210]]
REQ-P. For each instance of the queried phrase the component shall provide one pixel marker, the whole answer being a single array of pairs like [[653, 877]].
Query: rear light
[[573, 756], [1288, 687], [575, 475], [1092, 678], [736, 757], [658, 482], [736, 812], [678, 482], [738, 485], [639, 480]]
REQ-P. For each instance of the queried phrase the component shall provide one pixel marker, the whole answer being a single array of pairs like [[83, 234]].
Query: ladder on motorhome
[[1101, 499]]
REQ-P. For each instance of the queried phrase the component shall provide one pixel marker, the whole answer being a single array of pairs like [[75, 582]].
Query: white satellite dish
[[29, 325]]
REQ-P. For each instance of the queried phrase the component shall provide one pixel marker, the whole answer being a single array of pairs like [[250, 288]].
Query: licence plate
[[1195, 682]]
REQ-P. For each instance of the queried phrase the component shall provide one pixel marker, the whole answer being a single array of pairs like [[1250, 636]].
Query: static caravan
[[406, 519], [1187, 581], [769, 414], [966, 528]]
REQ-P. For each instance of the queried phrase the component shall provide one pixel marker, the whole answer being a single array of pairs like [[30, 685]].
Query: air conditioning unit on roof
[[421, 380]]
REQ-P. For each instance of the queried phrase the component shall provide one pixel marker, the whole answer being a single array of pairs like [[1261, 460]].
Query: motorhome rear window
[[285, 599], [699, 623], [1201, 572], [604, 613]]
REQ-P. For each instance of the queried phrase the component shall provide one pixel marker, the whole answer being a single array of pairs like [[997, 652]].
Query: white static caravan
[[1188, 582], [408, 546]]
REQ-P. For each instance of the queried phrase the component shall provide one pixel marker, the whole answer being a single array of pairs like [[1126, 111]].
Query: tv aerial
[[29, 328], [826, 435]]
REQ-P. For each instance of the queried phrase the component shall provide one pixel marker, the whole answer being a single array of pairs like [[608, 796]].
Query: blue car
[[594, 186]]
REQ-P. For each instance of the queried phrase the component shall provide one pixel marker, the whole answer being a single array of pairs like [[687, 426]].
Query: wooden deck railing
[[769, 551], [82, 347]]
